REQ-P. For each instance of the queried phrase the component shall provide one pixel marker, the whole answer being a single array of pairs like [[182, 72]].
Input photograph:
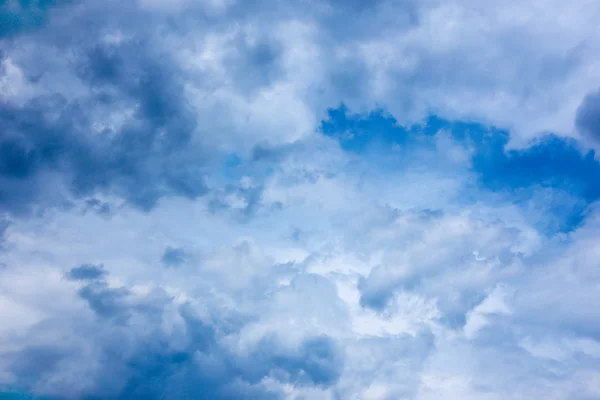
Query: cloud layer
[[299, 200]]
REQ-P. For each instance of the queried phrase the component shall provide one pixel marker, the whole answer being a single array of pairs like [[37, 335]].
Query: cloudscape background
[[273, 199]]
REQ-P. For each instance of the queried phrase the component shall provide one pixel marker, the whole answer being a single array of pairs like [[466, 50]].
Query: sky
[[320, 200]]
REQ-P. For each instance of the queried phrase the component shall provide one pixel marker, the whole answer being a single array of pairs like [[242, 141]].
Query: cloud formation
[[299, 200], [587, 119]]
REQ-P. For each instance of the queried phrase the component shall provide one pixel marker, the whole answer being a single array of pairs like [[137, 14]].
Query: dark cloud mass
[[173, 256], [143, 159], [86, 272], [588, 116]]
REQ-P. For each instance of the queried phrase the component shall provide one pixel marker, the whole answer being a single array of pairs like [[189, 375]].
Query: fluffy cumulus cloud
[[368, 200]]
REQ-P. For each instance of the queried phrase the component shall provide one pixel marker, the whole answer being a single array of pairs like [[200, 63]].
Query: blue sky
[[293, 200]]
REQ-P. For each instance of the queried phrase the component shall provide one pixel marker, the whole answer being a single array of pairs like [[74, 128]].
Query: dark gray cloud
[[317, 362], [173, 257], [51, 135], [375, 297], [142, 162], [105, 301], [98, 206], [588, 116], [87, 272]]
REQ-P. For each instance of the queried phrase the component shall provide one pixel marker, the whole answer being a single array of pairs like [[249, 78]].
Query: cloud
[[72, 140], [140, 115], [186, 358], [36, 145], [588, 116], [173, 257], [384, 282], [19, 16], [291, 200], [86, 272]]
